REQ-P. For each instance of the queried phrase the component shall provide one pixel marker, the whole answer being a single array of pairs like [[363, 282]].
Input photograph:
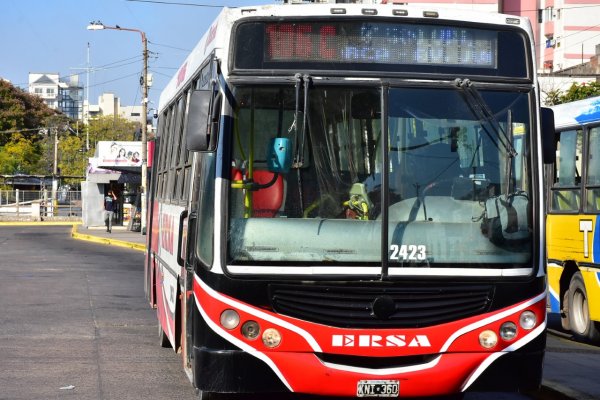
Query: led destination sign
[[385, 43]]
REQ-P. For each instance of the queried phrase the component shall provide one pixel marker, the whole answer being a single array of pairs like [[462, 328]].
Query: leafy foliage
[[580, 92], [29, 128], [20, 155], [20, 111], [73, 157], [113, 128]]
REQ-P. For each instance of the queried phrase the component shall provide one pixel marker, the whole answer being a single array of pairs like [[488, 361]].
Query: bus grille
[[389, 307]]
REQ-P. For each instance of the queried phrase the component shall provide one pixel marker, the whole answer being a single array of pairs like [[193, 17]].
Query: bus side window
[[593, 171], [566, 189]]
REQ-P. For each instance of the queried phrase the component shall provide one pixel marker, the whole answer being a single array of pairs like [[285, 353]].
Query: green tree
[[581, 91], [54, 125], [19, 156], [73, 157], [20, 112], [110, 128], [552, 98]]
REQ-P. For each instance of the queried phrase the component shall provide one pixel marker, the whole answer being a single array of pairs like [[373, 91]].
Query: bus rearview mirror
[[197, 123], [548, 135]]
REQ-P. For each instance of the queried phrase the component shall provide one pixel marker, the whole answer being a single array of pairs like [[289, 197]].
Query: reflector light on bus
[[488, 339], [250, 330], [528, 320], [230, 319], [401, 13], [508, 331], [271, 338]]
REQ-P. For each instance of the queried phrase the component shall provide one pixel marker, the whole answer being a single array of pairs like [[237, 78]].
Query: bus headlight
[[250, 330], [230, 319], [271, 338], [527, 320], [508, 331], [488, 339]]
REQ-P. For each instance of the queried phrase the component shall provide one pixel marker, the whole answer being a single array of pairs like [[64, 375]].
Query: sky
[[50, 36]]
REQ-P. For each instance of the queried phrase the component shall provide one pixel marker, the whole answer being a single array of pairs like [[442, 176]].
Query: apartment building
[[64, 95], [110, 104]]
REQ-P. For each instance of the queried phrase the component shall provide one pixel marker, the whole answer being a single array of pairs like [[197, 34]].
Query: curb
[[76, 235], [39, 223], [108, 241], [551, 390]]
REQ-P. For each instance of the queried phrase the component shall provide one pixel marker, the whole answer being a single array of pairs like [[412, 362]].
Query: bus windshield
[[458, 179]]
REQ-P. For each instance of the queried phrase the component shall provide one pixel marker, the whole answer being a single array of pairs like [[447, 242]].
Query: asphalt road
[[74, 322]]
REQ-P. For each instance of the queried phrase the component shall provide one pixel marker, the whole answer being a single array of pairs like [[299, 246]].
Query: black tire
[[564, 312], [163, 339], [582, 327]]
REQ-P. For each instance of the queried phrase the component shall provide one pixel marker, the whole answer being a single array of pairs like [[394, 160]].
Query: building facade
[[109, 104], [64, 95]]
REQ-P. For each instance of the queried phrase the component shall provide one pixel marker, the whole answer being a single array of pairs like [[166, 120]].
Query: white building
[[109, 104], [59, 94]]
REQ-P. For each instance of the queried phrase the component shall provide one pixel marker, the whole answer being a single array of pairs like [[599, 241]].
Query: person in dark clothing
[[109, 209]]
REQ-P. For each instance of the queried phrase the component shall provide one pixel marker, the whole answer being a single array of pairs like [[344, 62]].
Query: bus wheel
[[163, 339], [582, 327], [564, 312]]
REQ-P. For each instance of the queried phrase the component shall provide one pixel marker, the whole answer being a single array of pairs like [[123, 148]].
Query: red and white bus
[[347, 201]]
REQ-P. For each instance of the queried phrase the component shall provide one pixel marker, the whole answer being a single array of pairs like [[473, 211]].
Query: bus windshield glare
[[459, 186]]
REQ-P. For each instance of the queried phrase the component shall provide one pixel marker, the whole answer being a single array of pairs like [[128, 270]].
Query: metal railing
[[39, 204]]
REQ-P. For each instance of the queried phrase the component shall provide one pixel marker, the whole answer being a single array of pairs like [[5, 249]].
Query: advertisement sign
[[119, 154]]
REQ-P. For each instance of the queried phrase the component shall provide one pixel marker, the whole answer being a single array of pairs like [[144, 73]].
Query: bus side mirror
[[279, 155], [548, 136], [197, 121]]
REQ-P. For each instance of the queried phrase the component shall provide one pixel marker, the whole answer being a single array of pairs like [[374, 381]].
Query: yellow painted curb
[[109, 241], [38, 223]]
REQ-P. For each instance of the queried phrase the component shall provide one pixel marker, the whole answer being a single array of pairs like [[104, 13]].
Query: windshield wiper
[[483, 112], [300, 136]]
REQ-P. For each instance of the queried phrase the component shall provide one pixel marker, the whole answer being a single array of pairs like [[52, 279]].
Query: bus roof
[[217, 35], [577, 113]]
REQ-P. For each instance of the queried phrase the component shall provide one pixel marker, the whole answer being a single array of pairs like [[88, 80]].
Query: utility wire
[[170, 47], [117, 79]]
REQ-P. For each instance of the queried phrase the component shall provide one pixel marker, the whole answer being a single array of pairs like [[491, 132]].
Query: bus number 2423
[[411, 252]]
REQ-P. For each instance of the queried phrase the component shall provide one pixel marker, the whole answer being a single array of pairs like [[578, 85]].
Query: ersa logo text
[[380, 341]]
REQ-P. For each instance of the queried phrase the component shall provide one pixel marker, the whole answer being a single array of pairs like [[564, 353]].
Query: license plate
[[378, 388]]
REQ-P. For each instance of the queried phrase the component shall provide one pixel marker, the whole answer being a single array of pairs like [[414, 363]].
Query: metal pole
[[87, 100], [144, 135], [55, 172]]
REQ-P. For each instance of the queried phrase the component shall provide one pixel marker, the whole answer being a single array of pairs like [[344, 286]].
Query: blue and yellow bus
[[573, 240]]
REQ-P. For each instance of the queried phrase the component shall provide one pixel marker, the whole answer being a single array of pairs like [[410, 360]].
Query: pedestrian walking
[[110, 201]]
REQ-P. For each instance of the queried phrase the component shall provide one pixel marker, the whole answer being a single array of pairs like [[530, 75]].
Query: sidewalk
[[120, 236]]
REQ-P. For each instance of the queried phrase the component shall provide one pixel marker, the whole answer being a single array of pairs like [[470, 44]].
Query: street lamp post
[[97, 25]]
